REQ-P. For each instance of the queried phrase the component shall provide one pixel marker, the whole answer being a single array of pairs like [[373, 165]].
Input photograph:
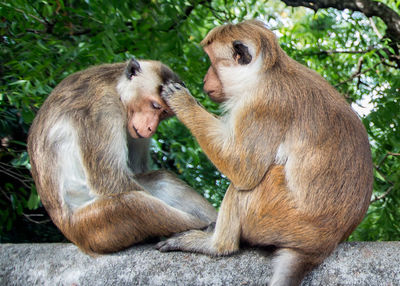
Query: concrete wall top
[[355, 263]]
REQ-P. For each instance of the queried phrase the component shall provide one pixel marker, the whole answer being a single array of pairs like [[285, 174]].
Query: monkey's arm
[[234, 150], [104, 149]]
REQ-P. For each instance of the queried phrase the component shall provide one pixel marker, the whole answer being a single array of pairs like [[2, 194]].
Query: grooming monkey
[[89, 147], [296, 154]]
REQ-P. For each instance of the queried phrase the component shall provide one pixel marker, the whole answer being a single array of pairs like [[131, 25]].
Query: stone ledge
[[354, 263]]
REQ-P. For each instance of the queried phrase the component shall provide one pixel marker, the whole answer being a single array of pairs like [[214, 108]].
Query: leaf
[[33, 201]]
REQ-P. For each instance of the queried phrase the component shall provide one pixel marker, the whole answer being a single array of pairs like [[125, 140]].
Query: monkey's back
[[326, 154], [71, 108]]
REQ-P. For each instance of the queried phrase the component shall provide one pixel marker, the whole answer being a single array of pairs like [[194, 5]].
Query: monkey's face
[[140, 90], [212, 83], [233, 69], [145, 113]]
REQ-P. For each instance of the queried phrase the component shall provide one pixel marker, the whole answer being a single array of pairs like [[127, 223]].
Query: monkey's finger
[[166, 92], [178, 86], [159, 245]]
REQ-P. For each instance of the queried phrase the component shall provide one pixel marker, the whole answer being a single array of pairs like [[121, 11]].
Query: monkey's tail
[[291, 266]]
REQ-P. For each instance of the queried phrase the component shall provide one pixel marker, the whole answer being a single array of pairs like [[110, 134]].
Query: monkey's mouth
[[216, 96], [210, 93], [136, 131]]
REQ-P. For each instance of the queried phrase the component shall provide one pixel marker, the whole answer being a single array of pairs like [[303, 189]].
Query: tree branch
[[378, 198], [367, 7], [187, 12], [329, 52], [377, 168], [13, 173], [372, 22], [29, 218], [23, 13], [358, 73]]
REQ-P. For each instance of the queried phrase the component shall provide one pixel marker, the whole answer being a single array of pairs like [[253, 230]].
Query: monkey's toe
[[167, 245]]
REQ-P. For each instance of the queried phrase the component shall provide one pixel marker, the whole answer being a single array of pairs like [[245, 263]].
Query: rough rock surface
[[361, 263]]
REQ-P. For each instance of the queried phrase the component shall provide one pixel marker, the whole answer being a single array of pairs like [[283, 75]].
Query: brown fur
[[123, 203], [297, 155]]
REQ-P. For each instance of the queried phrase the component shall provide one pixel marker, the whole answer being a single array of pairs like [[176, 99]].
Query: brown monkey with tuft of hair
[[89, 147], [296, 154]]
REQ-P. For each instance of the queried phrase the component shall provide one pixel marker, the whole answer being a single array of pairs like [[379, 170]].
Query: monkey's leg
[[223, 241], [271, 216], [176, 193], [115, 222]]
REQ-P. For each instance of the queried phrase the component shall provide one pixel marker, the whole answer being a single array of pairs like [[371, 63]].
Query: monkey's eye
[[165, 114], [155, 105]]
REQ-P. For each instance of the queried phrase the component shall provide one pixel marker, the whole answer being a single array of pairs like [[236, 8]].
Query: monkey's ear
[[132, 69], [241, 53]]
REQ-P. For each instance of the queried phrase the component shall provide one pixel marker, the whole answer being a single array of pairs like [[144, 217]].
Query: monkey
[[89, 155], [296, 154]]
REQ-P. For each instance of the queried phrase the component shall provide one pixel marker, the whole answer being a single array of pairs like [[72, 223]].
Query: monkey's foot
[[191, 241], [199, 242], [175, 242], [171, 244]]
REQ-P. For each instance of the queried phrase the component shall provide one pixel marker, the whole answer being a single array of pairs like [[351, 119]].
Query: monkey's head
[[139, 89], [239, 54]]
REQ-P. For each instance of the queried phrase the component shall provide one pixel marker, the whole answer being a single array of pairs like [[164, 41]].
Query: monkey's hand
[[177, 96]]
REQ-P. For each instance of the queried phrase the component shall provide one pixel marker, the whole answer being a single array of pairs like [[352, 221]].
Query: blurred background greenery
[[42, 42]]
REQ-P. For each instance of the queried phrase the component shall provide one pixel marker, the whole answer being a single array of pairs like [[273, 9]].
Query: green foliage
[[44, 41]]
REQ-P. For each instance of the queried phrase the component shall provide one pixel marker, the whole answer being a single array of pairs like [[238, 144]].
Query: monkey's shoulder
[[105, 74]]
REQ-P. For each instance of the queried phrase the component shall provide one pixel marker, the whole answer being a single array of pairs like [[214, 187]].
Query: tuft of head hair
[[250, 31]]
